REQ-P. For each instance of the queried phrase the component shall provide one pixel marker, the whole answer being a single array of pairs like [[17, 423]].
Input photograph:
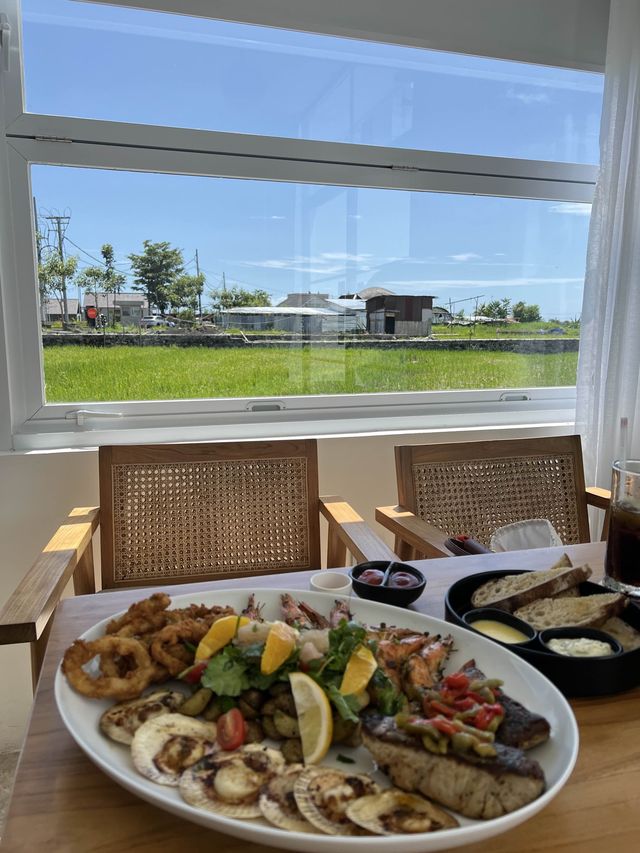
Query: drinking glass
[[622, 561]]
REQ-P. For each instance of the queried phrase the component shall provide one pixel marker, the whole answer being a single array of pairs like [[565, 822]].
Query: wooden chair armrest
[[599, 498], [349, 531], [419, 535], [26, 614]]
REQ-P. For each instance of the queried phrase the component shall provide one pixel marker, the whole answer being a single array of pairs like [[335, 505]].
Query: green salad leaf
[[226, 673], [346, 706], [236, 668]]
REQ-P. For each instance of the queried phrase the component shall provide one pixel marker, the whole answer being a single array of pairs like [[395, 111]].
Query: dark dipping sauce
[[622, 562]]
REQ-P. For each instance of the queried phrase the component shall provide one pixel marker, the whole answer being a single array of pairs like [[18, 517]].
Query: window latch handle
[[5, 37], [80, 416], [506, 397]]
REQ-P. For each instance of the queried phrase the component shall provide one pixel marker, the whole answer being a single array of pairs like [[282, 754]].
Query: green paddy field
[[86, 373]]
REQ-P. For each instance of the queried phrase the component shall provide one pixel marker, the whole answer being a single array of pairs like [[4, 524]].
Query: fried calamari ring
[[161, 650], [117, 666], [200, 612], [147, 614], [127, 686]]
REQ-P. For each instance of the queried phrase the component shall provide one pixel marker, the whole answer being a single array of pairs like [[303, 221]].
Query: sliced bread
[[624, 633], [513, 591], [588, 611]]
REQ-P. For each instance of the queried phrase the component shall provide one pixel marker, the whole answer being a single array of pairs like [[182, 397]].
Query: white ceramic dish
[[521, 681]]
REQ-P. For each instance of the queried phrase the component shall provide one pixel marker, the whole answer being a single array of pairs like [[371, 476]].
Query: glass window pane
[[103, 62], [445, 275]]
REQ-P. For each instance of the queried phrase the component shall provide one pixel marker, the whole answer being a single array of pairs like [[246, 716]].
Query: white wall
[[38, 489]]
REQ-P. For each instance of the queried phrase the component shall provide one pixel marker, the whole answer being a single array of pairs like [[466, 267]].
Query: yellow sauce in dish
[[499, 631]]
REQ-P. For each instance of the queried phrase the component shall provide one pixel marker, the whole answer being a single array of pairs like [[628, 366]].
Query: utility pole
[[58, 220], [200, 289], [41, 291]]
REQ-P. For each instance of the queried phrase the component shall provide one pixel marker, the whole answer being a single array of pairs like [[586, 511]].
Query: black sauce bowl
[[575, 632], [495, 615], [601, 676], [398, 596]]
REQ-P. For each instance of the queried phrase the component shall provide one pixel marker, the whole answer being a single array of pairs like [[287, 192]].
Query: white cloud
[[326, 263], [572, 208], [528, 97], [267, 217], [344, 256], [465, 256], [500, 254]]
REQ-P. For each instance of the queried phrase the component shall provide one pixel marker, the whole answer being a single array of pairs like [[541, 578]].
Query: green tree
[[526, 313], [185, 290], [113, 280], [55, 274], [91, 279], [498, 309], [155, 271], [237, 297]]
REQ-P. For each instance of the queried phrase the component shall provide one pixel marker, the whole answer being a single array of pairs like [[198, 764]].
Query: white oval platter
[[521, 681]]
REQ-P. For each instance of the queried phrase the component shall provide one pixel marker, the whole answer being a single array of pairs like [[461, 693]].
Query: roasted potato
[[291, 750], [197, 703], [269, 728], [285, 724]]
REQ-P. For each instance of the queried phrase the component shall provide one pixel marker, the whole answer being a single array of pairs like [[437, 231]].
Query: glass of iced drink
[[622, 561]]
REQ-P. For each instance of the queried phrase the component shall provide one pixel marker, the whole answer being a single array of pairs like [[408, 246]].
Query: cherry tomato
[[457, 681], [194, 673], [231, 730], [486, 714], [372, 576], [402, 579]]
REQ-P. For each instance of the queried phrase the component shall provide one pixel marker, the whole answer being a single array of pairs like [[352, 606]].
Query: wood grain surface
[[62, 802]]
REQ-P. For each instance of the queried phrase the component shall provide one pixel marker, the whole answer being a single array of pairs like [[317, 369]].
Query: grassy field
[[539, 329], [77, 373]]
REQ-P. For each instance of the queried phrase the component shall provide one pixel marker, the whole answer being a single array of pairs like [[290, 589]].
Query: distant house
[[54, 309], [129, 308], [304, 300], [305, 321], [441, 315], [400, 315]]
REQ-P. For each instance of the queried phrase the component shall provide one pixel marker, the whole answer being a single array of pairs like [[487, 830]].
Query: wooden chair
[[174, 513], [475, 487]]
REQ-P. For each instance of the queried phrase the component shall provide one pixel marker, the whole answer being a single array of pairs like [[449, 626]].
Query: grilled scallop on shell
[[396, 812], [163, 748], [277, 802], [229, 783], [121, 721], [323, 794]]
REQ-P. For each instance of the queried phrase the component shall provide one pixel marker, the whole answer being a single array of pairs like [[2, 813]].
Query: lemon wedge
[[314, 717], [360, 667], [281, 641], [219, 634]]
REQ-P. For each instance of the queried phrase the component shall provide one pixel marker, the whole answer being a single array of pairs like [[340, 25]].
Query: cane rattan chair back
[[189, 512], [178, 513], [473, 488]]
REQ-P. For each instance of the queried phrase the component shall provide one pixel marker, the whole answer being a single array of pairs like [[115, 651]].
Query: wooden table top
[[62, 802]]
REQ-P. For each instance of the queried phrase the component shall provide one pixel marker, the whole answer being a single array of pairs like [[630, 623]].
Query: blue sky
[[126, 65]]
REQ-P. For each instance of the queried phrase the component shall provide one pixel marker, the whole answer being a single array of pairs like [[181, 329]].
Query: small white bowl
[[333, 582]]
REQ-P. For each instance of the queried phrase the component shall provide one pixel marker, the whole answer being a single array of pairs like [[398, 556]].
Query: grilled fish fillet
[[474, 787]]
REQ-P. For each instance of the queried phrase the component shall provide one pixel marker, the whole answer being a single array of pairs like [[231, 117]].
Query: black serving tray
[[572, 676]]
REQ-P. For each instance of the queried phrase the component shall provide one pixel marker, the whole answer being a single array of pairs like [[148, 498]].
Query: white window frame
[[54, 140]]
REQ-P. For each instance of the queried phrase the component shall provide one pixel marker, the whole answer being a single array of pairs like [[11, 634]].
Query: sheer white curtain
[[609, 361]]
